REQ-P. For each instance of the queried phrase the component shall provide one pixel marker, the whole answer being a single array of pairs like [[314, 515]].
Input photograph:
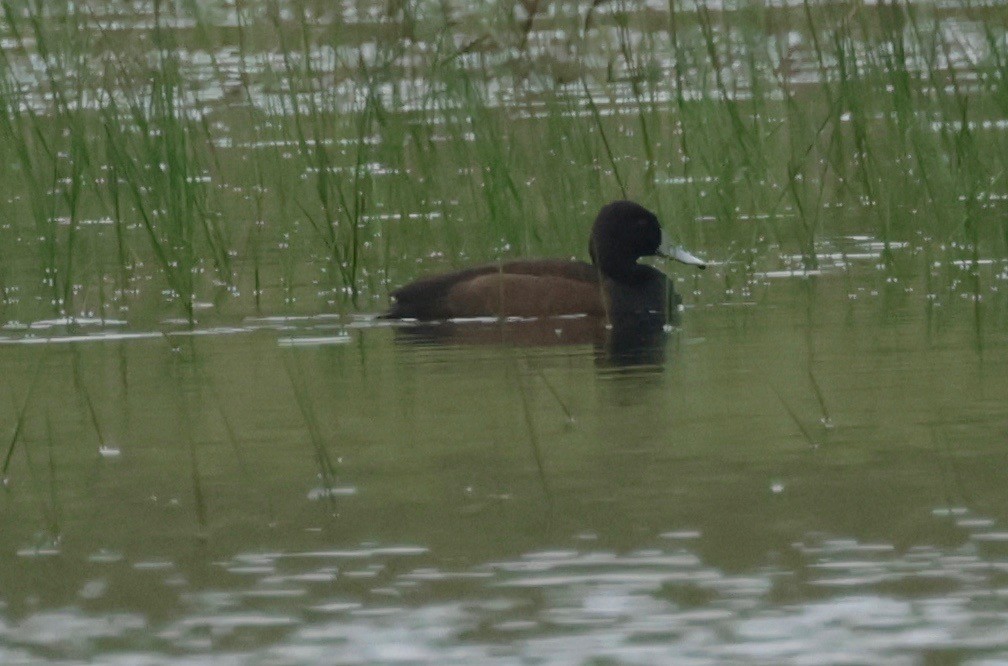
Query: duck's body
[[616, 286], [526, 288]]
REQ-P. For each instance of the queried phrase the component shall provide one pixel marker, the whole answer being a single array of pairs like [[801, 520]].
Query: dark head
[[624, 232]]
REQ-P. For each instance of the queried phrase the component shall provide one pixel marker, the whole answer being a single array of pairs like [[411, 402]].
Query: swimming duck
[[613, 286]]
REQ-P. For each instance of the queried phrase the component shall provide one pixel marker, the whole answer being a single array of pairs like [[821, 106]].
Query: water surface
[[817, 472]]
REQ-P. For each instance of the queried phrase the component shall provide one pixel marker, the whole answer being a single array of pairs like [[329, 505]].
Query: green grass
[[279, 162]]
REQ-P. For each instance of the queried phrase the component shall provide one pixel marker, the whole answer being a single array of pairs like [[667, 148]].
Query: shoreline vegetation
[[161, 159]]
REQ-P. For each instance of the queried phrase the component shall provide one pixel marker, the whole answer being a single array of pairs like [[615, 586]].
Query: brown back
[[529, 288]]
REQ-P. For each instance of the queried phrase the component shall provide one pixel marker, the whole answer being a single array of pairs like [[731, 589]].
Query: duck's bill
[[680, 254]]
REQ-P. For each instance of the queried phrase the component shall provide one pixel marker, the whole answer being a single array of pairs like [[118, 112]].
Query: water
[[807, 467], [323, 490]]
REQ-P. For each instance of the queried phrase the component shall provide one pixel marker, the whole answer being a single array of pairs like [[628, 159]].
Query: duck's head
[[624, 232]]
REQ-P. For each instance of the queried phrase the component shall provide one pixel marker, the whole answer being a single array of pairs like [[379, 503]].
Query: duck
[[613, 287]]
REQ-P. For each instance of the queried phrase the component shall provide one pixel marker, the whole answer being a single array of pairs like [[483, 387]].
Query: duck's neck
[[644, 295], [628, 274]]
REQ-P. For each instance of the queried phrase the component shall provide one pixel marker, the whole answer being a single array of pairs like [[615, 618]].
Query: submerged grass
[[327, 469], [21, 419], [300, 156]]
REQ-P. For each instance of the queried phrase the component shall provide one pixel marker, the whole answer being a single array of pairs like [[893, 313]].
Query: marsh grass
[[338, 156], [155, 150]]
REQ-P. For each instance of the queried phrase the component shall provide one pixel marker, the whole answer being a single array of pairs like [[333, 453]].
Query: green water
[[213, 450], [314, 490]]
